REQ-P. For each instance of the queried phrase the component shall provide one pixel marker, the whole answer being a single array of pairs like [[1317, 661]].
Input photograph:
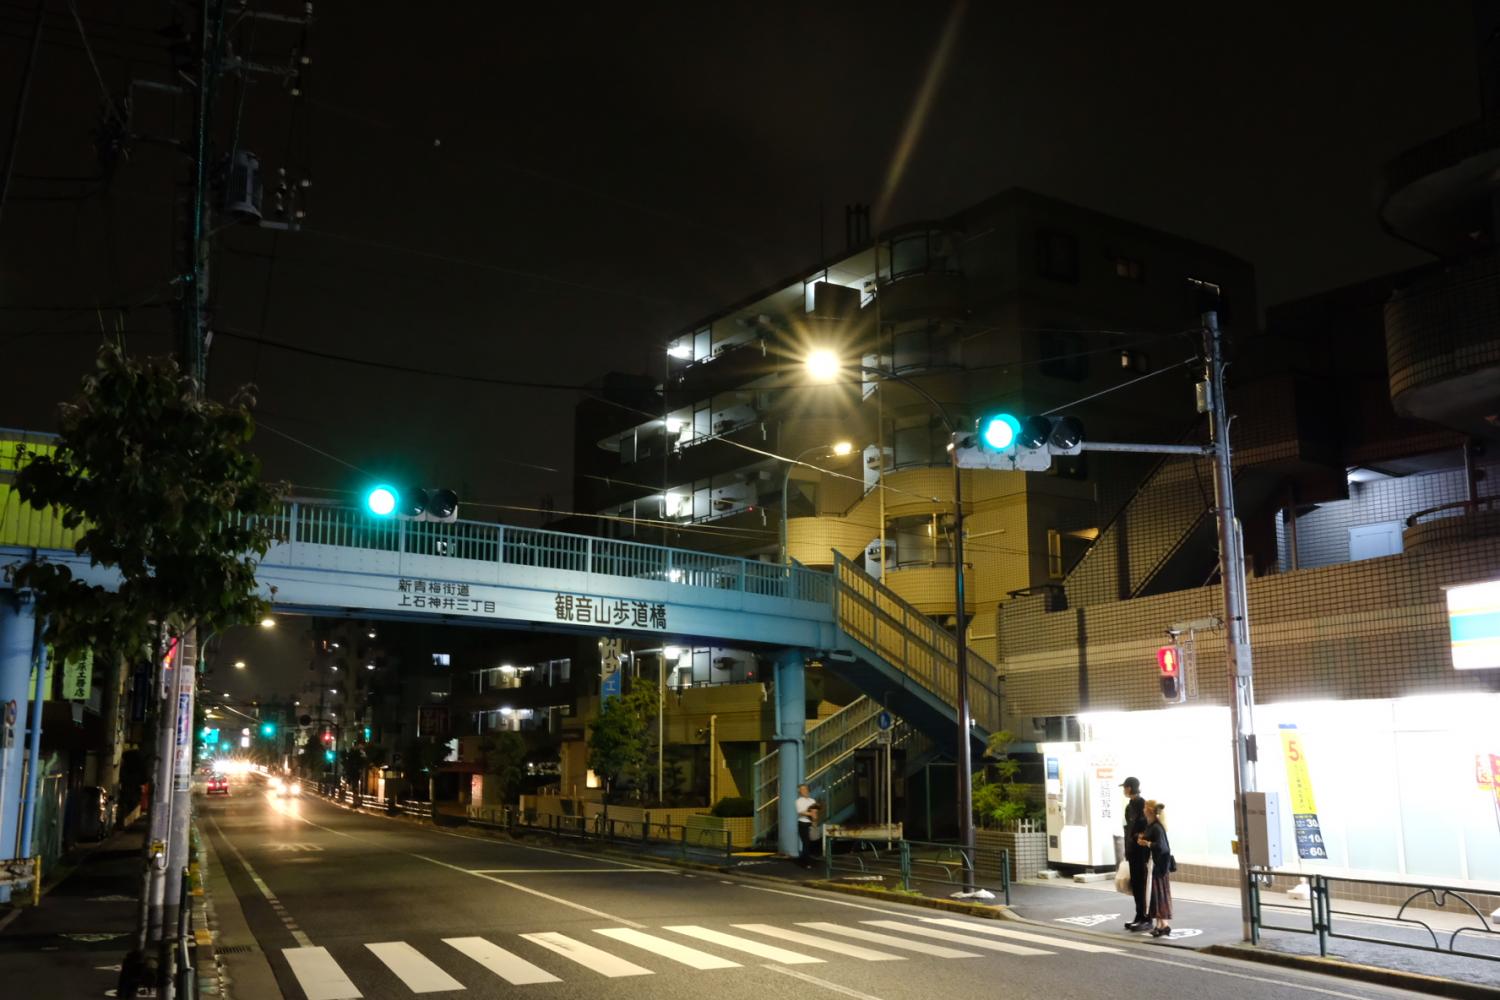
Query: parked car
[[218, 785]]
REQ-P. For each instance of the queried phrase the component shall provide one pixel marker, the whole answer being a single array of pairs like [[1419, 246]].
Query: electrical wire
[[109, 100], [1123, 385]]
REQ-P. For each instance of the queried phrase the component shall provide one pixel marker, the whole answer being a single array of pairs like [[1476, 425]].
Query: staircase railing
[[911, 642], [824, 745]]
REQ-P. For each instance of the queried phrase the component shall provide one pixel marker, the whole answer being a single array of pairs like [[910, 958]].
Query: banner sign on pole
[[1310, 845], [609, 668], [78, 675]]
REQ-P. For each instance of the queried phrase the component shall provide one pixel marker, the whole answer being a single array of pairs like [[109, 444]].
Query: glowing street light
[[268, 622], [239, 664], [823, 365]]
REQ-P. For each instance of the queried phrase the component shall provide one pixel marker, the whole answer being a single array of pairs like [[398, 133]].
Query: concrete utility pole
[[1236, 602]]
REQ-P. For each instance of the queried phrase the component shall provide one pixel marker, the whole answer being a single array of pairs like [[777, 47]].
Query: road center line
[[568, 871], [814, 980]]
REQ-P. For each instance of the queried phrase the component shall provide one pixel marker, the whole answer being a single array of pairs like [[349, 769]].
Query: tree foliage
[[618, 738], [1000, 799], [163, 489], [503, 755]]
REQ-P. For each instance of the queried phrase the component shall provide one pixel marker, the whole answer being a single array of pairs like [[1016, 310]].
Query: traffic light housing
[[1169, 664], [1028, 444], [412, 503]]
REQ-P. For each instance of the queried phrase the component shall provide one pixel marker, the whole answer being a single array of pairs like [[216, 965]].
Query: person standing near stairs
[[805, 806]]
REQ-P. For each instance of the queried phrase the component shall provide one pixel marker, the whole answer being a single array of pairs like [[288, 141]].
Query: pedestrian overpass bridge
[[339, 561]]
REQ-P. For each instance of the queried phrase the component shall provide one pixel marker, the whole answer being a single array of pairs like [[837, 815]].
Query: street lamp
[[268, 622], [840, 448], [824, 366], [239, 664]]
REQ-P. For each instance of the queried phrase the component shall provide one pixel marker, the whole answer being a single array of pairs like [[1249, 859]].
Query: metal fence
[[671, 839], [905, 862], [1405, 930]]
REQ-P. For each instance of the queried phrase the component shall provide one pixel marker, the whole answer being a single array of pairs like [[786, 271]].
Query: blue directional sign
[[884, 720]]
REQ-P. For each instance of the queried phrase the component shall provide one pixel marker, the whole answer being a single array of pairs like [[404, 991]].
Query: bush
[[730, 806]]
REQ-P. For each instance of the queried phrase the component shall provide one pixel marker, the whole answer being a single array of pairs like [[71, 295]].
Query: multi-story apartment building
[[1023, 303]]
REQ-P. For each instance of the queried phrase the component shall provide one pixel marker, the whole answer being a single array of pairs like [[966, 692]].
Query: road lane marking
[[586, 955], [757, 948], [319, 975], [534, 892], [512, 968], [967, 940], [814, 980], [568, 871], [690, 957], [825, 899], [420, 973], [1053, 942], [457, 868], [859, 933], [1394, 991], [813, 941], [303, 941]]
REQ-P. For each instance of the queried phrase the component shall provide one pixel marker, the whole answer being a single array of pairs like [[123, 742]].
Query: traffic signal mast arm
[[1038, 460]]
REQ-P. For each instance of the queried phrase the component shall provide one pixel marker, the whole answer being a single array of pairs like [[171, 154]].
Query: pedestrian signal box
[[1169, 662]]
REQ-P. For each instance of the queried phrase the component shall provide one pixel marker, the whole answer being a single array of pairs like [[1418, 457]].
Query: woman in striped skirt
[[1155, 838]]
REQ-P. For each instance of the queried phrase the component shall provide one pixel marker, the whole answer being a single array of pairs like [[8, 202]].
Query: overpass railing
[[313, 523]]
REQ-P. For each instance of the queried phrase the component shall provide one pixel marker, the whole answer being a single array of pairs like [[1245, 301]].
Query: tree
[[503, 755], [618, 738], [162, 489]]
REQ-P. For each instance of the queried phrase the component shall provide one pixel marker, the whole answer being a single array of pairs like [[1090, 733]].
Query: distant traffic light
[[1169, 663], [328, 756], [268, 729]]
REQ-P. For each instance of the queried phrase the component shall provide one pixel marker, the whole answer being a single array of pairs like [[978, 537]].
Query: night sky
[[546, 193]]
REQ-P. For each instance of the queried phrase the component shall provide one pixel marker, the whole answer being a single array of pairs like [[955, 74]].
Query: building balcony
[[929, 588], [813, 540], [729, 368], [925, 295], [1452, 524], [1442, 340]]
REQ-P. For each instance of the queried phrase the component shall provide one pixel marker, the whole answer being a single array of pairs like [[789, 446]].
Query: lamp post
[[840, 449], [825, 366]]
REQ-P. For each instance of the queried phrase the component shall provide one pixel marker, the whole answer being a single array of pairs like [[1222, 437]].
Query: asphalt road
[[343, 905]]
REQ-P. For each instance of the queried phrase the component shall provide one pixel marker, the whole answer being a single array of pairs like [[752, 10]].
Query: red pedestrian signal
[[1169, 662], [1169, 659]]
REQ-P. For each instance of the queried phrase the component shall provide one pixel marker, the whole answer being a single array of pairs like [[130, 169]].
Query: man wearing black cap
[[1135, 825]]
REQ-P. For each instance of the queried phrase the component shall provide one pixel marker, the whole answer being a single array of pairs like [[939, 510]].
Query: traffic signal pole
[[1236, 604], [1002, 454]]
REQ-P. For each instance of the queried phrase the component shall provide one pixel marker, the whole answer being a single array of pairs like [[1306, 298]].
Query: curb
[[1377, 975], [998, 911]]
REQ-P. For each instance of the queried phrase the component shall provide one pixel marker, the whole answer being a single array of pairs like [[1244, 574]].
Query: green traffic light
[[268, 729], [381, 500], [998, 431], [328, 756]]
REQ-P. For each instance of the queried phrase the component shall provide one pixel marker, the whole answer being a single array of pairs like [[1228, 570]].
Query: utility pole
[[1236, 604]]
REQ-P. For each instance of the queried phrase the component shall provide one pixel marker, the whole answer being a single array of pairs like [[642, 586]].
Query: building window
[[1129, 269], [1054, 554], [1057, 256], [922, 540], [1063, 355], [1135, 361], [918, 444], [929, 345]]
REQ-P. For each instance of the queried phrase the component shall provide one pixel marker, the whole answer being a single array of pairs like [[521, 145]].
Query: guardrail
[[1467, 506], [1321, 910], [909, 861], [391, 805]]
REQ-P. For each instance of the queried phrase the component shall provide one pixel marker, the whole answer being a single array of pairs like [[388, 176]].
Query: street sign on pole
[[884, 721]]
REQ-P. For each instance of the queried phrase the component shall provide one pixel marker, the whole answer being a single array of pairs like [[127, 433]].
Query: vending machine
[[1084, 803]]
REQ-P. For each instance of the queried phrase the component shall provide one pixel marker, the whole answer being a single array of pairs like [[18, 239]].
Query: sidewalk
[[71, 945]]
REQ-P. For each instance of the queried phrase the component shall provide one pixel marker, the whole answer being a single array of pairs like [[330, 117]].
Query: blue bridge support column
[[791, 726], [17, 638]]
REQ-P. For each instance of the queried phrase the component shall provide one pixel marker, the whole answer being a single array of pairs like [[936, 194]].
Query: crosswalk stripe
[[1025, 936], [812, 941], [319, 975], [757, 948], [963, 939], [512, 968], [420, 973], [668, 949], [859, 933], [587, 955]]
